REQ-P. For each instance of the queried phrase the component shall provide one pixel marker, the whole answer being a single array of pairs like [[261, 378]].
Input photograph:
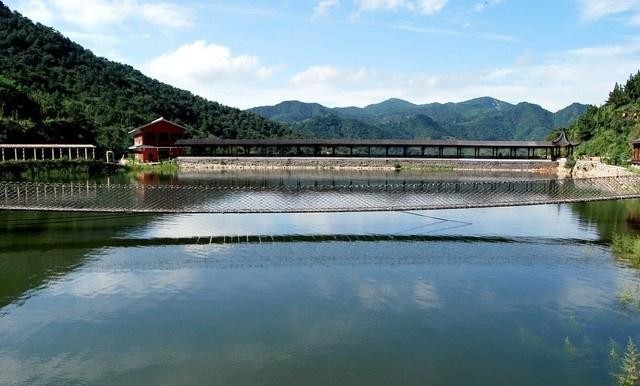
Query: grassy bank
[[60, 170], [160, 168]]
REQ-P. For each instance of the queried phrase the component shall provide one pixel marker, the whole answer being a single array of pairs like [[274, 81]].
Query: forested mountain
[[54, 90], [607, 131], [481, 118]]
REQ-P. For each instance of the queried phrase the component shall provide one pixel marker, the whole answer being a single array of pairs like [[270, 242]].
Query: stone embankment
[[255, 163], [595, 168]]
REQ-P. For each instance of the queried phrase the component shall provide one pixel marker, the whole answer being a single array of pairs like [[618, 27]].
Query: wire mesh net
[[93, 197]]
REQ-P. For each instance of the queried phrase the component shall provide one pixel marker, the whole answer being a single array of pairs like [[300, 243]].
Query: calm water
[[504, 296]]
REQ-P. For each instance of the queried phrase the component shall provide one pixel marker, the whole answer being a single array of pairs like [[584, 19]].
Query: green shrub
[[627, 247], [629, 374]]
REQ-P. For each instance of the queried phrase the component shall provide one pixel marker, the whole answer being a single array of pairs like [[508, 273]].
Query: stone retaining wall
[[257, 163]]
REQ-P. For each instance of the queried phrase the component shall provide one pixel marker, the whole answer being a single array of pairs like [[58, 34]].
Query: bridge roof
[[44, 146], [361, 142]]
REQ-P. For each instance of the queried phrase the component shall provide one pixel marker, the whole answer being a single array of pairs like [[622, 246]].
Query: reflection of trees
[[29, 252], [610, 217]]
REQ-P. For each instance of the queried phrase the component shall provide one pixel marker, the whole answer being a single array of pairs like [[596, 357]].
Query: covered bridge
[[390, 148]]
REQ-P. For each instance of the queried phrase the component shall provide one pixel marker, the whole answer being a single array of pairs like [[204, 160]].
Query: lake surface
[[498, 296]]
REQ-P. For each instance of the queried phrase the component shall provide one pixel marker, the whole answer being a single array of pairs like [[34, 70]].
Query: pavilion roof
[[563, 140]]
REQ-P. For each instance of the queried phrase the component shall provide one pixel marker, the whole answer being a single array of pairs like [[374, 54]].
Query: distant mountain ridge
[[483, 118]]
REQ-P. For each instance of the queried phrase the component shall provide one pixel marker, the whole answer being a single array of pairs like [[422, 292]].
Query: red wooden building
[[636, 151], [156, 141]]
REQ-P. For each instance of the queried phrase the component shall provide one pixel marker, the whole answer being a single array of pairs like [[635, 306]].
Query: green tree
[[632, 88], [618, 97]]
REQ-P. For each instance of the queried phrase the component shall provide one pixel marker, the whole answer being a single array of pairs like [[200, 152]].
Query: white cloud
[[36, 10], [592, 10], [453, 32], [166, 14], [430, 6], [323, 7], [427, 7], [97, 14], [200, 64], [327, 74], [93, 14], [484, 4]]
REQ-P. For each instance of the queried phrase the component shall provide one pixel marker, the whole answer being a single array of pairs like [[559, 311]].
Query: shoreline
[[203, 164]]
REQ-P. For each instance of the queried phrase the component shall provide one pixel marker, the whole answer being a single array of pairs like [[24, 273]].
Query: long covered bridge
[[17, 152], [387, 148]]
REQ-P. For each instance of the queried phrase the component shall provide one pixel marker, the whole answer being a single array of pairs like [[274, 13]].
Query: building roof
[[362, 142], [563, 140], [161, 119]]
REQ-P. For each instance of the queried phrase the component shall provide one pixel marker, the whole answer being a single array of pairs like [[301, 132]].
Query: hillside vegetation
[[482, 118], [54, 90], [607, 131]]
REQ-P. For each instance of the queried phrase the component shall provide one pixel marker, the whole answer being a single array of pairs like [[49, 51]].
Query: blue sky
[[356, 52]]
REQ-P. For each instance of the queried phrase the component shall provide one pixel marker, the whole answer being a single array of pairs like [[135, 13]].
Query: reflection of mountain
[[610, 216], [24, 267]]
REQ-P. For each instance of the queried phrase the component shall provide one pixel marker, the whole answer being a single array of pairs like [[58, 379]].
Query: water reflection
[[499, 296], [38, 247], [296, 310]]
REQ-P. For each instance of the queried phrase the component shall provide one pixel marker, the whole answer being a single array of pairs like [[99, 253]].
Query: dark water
[[504, 296]]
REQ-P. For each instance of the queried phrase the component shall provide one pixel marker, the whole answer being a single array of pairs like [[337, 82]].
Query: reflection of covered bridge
[[389, 148]]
